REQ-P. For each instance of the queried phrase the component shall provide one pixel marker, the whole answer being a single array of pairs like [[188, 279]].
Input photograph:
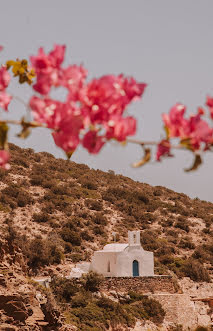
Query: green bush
[[71, 236], [195, 271], [40, 252], [76, 257], [92, 281], [64, 289]]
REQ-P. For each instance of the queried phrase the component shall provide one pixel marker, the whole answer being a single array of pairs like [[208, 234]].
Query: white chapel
[[120, 260]]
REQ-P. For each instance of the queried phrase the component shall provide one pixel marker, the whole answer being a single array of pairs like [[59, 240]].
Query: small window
[[108, 266], [134, 238]]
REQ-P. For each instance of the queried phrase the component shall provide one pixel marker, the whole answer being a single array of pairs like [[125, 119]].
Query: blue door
[[135, 268]]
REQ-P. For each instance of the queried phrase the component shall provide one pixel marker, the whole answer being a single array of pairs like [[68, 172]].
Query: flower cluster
[[194, 132], [93, 112]]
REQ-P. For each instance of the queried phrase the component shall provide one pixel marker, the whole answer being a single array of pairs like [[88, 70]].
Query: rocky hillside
[[54, 213]]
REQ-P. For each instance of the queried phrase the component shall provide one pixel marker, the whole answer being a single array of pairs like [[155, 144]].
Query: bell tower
[[134, 238]]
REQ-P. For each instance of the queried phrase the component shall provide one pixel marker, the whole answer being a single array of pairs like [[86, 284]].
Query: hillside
[[55, 213]]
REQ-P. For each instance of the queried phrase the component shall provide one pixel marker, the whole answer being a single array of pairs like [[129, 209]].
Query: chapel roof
[[115, 247]]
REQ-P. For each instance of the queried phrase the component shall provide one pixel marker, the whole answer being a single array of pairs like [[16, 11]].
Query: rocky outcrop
[[14, 306]]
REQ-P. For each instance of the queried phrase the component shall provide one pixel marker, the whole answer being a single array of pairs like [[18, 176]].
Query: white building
[[120, 260]]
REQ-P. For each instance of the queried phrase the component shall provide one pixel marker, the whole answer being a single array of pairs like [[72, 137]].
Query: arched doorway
[[135, 268]]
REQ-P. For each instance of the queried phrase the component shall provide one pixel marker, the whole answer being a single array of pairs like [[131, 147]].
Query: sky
[[166, 44]]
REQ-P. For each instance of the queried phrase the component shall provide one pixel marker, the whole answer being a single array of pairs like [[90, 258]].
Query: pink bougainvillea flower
[[4, 158], [47, 68], [68, 142], [41, 61], [5, 99], [47, 111], [133, 90], [4, 78], [54, 113], [92, 142], [109, 95], [198, 131], [67, 135], [1, 48], [174, 121], [45, 62], [56, 56], [163, 149], [73, 78], [43, 84], [119, 128], [209, 103]]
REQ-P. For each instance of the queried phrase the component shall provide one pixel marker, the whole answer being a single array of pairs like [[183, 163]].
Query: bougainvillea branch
[[93, 112]]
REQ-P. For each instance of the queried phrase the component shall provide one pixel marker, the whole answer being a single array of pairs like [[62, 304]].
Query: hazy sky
[[166, 43]]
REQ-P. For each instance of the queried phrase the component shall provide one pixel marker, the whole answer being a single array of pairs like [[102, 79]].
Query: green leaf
[[197, 162]]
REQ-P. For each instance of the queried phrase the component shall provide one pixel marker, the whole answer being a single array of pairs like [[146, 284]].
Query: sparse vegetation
[[87, 311], [53, 209]]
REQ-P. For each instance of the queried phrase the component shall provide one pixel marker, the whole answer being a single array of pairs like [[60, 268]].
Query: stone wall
[[181, 309], [144, 285]]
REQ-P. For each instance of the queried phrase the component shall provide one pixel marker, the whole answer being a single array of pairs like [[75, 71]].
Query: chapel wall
[[100, 262]]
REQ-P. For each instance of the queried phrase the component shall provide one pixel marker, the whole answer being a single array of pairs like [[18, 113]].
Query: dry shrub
[[94, 204], [40, 217], [14, 196]]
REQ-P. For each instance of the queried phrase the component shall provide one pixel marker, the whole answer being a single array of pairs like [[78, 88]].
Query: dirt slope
[[54, 213]]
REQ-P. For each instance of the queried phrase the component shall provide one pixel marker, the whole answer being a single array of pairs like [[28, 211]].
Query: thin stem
[[155, 143], [30, 124], [33, 124]]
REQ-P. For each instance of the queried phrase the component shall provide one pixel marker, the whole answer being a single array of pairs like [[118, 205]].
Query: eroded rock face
[[3, 281], [8, 327], [14, 306]]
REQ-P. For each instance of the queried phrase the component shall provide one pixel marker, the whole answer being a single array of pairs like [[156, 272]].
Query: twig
[[155, 143]]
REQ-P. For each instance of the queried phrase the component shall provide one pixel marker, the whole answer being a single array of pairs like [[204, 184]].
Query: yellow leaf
[[3, 135], [167, 131], [20, 68], [197, 162], [186, 143], [9, 64], [144, 160], [25, 132], [69, 154]]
